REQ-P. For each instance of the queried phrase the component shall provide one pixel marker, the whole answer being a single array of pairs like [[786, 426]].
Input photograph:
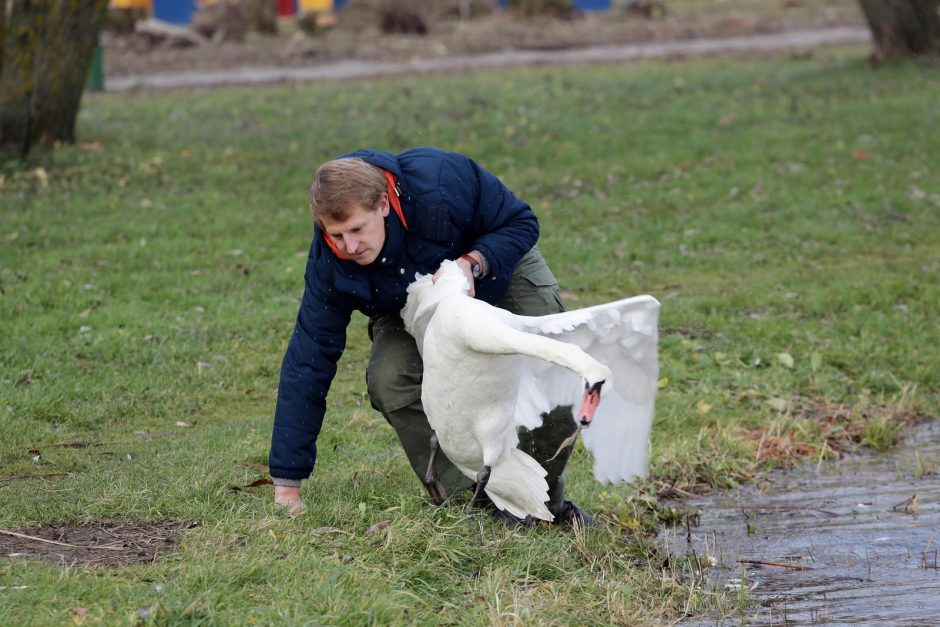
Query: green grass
[[786, 213]]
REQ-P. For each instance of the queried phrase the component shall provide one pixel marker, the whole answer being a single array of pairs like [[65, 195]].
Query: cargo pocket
[[534, 290]]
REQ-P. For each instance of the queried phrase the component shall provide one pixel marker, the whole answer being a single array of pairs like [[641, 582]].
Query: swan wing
[[624, 336]]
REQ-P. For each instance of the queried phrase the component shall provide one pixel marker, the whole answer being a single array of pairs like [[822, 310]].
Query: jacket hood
[[378, 158]]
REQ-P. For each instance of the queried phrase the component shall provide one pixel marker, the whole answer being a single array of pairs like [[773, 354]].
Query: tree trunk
[[903, 28], [47, 48]]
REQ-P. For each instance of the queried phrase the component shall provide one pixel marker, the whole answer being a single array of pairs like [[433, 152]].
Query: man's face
[[362, 234]]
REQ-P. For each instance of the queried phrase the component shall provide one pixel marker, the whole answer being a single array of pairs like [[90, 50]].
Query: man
[[378, 220]]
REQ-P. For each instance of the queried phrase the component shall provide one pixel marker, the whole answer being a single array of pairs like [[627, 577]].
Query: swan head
[[593, 390]]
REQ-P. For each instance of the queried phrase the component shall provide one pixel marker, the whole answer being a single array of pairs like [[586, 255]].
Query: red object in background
[[287, 8]]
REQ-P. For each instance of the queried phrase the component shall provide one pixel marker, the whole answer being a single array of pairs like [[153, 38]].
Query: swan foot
[[479, 498], [431, 482]]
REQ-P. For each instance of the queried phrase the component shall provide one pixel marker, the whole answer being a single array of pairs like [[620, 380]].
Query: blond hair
[[341, 184]]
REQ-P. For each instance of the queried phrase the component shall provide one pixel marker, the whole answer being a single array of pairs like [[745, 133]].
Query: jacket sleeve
[[306, 374], [503, 227]]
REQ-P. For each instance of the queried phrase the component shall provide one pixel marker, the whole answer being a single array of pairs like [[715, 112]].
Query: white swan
[[488, 371]]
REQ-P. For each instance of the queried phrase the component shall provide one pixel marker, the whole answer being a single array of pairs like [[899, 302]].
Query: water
[[849, 547]]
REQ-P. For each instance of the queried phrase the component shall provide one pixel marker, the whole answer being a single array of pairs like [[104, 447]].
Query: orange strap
[[393, 197], [394, 201]]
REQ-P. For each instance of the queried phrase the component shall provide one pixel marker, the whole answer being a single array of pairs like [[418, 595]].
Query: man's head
[[349, 202]]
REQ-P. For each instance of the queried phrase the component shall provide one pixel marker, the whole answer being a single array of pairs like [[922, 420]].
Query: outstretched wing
[[623, 335]]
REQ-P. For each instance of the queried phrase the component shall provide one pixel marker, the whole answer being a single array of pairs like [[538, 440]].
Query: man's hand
[[289, 497], [464, 265]]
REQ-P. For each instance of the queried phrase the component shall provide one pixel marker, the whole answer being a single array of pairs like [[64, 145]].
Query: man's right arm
[[307, 371]]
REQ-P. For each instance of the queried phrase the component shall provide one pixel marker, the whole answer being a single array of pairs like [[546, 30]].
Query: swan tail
[[517, 485]]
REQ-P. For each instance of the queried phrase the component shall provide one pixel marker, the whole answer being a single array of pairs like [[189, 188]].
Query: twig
[[780, 564], [923, 556], [74, 546], [674, 488], [22, 477]]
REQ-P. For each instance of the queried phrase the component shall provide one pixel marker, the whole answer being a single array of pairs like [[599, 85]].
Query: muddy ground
[[94, 544], [359, 37]]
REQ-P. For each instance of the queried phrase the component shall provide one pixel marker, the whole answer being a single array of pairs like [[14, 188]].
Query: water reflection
[[845, 543]]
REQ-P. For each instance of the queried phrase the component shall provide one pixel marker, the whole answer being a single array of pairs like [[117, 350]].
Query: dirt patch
[[98, 544], [358, 35]]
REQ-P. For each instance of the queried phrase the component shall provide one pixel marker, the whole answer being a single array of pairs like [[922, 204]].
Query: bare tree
[[46, 49], [903, 28]]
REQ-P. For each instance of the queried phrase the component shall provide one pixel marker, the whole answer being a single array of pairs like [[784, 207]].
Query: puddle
[[101, 543], [843, 543]]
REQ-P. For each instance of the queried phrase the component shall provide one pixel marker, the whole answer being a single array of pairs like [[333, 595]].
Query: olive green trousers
[[394, 378]]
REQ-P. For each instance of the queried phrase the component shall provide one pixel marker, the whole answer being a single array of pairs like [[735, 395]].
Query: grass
[[785, 211]]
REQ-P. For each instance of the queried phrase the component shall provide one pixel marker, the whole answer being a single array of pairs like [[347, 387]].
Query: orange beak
[[592, 397]]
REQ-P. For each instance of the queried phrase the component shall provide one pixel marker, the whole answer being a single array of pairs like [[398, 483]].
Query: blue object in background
[[583, 5], [178, 12], [339, 4], [592, 5]]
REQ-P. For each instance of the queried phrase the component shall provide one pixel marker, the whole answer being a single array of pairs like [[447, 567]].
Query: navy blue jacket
[[451, 206]]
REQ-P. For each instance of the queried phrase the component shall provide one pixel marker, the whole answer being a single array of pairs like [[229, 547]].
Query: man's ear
[[386, 207]]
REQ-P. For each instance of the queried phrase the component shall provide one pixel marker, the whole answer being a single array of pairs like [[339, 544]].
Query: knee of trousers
[[390, 387]]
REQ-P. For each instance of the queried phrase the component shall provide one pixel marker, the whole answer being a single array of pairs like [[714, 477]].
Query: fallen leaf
[[662, 382], [780, 404], [785, 359], [253, 484], [85, 314], [703, 408], [180, 423], [861, 155]]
